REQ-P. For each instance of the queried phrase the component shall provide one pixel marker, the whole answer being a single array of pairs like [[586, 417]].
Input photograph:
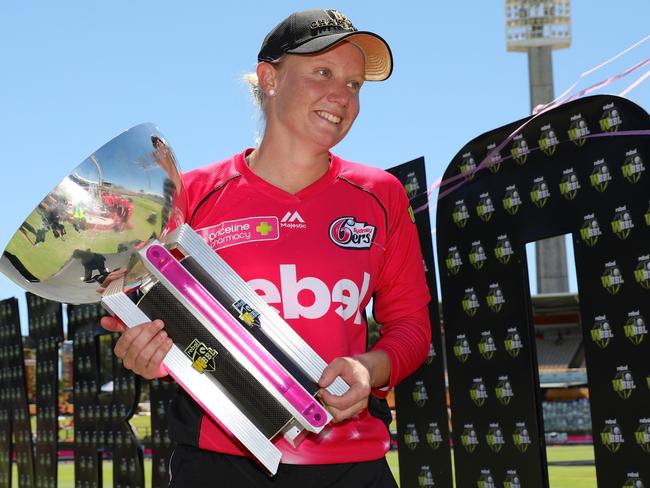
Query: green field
[[560, 476]]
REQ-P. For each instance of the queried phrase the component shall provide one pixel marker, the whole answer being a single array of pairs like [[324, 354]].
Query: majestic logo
[[548, 140], [485, 207], [469, 438], [519, 149], [247, 315], [512, 200], [346, 295], [612, 436], [478, 392], [495, 298], [453, 261], [233, 232], [633, 167], [512, 343], [477, 256], [346, 232], [486, 480], [462, 350], [293, 220], [590, 231], [642, 272], [601, 332], [578, 130], [521, 437], [419, 394], [623, 382], [201, 355], [600, 176], [569, 185], [411, 438], [470, 302], [540, 192], [467, 166], [425, 478], [512, 480], [494, 158], [503, 250], [622, 224], [504, 391], [610, 120], [635, 329], [434, 436], [460, 214], [494, 437], [642, 435], [487, 346], [612, 278]]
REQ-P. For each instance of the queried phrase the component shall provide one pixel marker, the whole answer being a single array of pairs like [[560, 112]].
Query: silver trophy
[[118, 219]]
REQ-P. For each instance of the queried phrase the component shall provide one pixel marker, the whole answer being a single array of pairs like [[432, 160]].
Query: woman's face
[[317, 96]]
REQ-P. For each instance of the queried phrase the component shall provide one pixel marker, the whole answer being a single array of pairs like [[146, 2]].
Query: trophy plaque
[[118, 219]]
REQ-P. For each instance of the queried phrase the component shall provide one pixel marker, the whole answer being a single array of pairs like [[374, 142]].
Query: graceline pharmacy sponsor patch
[[232, 232]]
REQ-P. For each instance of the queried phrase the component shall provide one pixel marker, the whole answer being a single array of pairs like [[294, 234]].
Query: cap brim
[[378, 57]]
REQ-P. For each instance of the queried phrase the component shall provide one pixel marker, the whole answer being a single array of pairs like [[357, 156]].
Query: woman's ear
[[267, 75]]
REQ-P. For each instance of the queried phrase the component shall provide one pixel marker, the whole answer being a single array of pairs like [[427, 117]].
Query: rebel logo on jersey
[[346, 232], [346, 295]]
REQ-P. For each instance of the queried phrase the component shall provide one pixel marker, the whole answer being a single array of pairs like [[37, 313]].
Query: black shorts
[[193, 467]]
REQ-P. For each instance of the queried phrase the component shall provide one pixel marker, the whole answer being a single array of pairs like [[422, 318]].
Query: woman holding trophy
[[317, 237]]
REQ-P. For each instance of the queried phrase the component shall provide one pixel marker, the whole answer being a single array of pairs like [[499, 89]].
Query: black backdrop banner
[[578, 169], [46, 334], [105, 397], [15, 429], [421, 410]]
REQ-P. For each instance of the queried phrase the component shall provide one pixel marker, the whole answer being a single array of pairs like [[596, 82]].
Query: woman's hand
[[141, 348], [353, 401], [361, 373]]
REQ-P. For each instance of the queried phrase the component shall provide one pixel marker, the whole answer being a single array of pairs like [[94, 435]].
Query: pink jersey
[[318, 257]]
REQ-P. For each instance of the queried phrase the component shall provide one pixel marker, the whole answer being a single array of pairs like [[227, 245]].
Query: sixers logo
[[347, 232]]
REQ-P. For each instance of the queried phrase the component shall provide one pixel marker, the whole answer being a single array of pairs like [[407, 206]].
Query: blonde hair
[[255, 89]]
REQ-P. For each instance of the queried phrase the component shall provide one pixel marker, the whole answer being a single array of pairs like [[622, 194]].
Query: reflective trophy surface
[[113, 231]]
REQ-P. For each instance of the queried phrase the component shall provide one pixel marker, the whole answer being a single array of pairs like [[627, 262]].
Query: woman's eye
[[324, 72]]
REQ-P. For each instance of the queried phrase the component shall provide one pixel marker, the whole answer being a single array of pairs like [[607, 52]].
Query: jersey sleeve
[[401, 294]]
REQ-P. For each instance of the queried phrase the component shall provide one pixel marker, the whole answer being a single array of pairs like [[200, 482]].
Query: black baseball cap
[[313, 31]]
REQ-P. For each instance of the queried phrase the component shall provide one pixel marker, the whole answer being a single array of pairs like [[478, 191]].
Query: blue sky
[[74, 74]]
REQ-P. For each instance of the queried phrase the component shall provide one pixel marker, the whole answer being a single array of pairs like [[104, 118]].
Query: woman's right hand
[[141, 348]]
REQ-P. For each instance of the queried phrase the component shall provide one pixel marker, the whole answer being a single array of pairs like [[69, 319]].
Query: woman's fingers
[[112, 324]]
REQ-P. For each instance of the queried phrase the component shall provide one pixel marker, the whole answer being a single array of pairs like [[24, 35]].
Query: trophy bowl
[[126, 194]]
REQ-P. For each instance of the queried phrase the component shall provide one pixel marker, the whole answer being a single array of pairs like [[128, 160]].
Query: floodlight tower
[[537, 27]]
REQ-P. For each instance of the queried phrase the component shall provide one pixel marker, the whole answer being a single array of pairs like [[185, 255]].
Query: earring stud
[[271, 92]]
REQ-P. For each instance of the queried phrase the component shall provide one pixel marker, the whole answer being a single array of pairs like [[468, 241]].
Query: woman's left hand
[[352, 402]]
